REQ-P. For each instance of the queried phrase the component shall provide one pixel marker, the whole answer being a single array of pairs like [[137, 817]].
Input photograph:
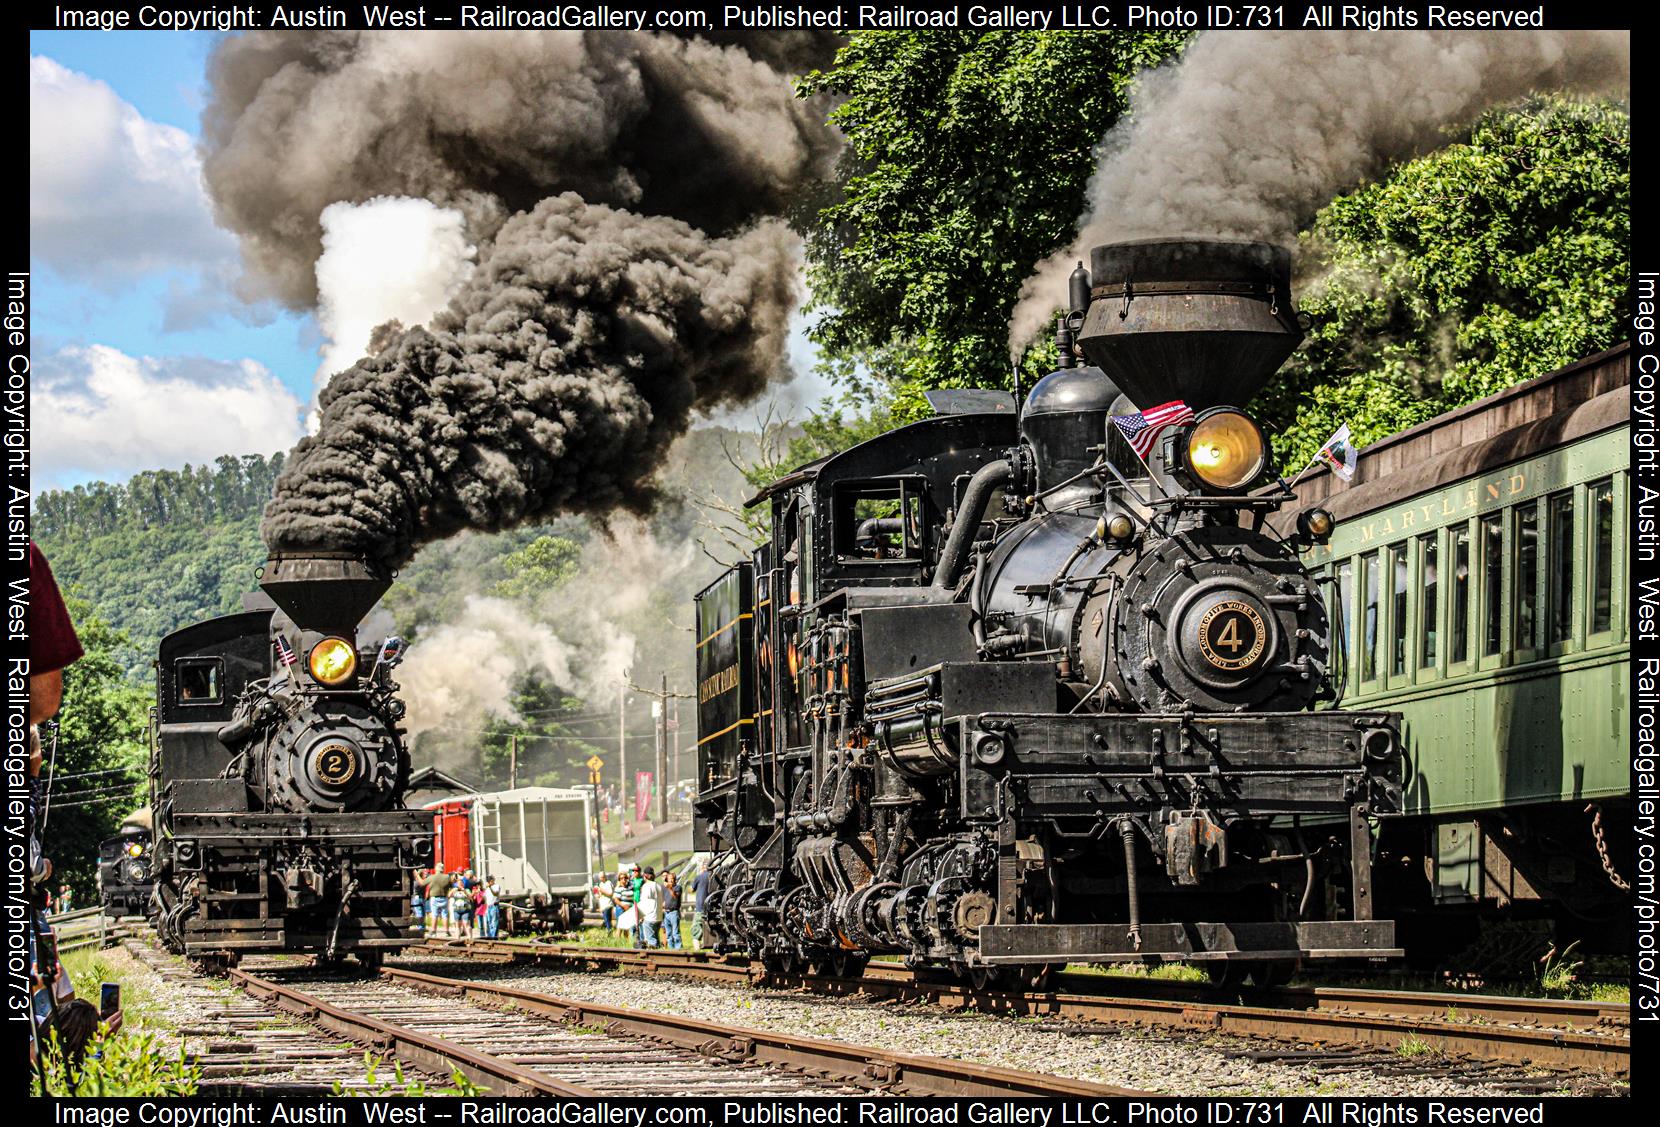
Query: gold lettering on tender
[[1425, 511], [723, 682], [1368, 531], [1518, 482], [1492, 491], [1470, 498], [1447, 509], [1407, 517], [1388, 526]]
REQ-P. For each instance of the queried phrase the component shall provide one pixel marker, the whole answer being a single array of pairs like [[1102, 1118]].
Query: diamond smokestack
[[326, 592], [1206, 321]]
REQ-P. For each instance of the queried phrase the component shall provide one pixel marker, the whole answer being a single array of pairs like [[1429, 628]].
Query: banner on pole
[[642, 794]]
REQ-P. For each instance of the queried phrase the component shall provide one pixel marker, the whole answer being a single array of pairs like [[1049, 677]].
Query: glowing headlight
[[333, 660], [1316, 524], [134, 849], [1225, 450]]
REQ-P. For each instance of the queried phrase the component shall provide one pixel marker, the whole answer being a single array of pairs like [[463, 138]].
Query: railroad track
[[518, 1042], [287, 1029], [243, 1047], [1544, 1033]]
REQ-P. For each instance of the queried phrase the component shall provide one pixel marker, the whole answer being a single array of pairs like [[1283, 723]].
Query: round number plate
[[335, 764], [1231, 635]]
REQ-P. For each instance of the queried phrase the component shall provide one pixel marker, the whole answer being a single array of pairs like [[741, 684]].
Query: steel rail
[[910, 1073], [428, 1053], [1482, 1026]]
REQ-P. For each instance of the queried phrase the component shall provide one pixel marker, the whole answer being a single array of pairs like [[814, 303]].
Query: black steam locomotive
[[125, 880], [1001, 694], [278, 772]]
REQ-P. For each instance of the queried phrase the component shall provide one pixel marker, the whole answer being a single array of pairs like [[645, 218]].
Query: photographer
[[53, 646]]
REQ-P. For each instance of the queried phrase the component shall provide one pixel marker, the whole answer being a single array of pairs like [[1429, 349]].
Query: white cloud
[[97, 412], [112, 195], [391, 258]]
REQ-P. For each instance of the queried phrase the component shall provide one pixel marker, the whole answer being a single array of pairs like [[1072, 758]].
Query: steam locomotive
[[125, 885], [1000, 693], [277, 775]]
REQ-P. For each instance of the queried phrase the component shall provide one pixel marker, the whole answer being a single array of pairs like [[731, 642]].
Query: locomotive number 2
[[335, 764], [1232, 635]]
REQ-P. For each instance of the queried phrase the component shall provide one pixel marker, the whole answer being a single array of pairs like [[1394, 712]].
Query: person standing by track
[[438, 900], [649, 903], [700, 893], [671, 911]]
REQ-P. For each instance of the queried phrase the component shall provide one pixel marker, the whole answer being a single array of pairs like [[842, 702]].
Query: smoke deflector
[[1205, 321]]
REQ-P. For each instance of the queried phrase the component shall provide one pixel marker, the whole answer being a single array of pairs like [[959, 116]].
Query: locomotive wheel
[[1039, 978], [1226, 974], [848, 964], [1272, 973], [370, 960], [984, 978]]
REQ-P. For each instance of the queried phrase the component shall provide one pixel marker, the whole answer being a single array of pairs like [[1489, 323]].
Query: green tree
[[966, 163], [93, 772], [539, 566], [1481, 265]]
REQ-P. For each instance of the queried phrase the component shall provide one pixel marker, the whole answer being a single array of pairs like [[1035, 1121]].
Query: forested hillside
[[164, 548]]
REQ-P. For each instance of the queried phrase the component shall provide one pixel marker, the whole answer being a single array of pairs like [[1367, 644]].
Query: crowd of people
[[462, 904], [636, 901]]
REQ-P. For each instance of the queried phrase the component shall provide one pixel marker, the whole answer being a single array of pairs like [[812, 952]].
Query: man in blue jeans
[[671, 911]]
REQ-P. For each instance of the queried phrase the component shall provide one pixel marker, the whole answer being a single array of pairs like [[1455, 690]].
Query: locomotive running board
[[1197, 942]]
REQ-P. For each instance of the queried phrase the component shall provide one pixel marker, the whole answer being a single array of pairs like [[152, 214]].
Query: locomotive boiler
[[1002, 692], [278, 771]]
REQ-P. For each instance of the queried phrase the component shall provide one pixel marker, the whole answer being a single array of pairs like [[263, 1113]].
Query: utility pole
[[513, 762], [660, 711], [660, 815], [622, 755]]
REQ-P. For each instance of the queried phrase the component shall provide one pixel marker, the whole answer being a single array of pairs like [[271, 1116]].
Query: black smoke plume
[[553, 383], [492, 123], [623, 190]]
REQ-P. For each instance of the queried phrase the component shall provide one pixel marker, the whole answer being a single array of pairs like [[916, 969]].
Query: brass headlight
[[1225, 450], [135, 849], [1316, 524], [333, 660]]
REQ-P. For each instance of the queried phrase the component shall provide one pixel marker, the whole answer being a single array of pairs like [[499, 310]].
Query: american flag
[[1141, 428], [285, 651]]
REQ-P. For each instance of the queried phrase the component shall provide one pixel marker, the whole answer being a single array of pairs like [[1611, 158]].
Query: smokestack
[[1205, 321], [325, 592]]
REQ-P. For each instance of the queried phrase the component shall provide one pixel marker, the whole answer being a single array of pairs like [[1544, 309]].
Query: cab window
[[199, 680]]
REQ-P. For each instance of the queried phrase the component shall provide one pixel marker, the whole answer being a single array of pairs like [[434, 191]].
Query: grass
[[1414, 1046]]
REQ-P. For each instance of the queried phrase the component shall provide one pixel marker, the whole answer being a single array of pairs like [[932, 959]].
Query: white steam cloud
[[391, 259]]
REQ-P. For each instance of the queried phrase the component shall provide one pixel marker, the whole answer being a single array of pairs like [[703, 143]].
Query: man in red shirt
[[52, 646], [52, 641]]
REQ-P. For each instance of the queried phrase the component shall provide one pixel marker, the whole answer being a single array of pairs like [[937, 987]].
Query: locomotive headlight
[[1316, 525], [333, 660], [134, 849], [1225, 450], [1120, 527]]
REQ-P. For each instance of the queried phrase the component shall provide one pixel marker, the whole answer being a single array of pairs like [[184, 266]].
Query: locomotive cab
[[1064, 711]]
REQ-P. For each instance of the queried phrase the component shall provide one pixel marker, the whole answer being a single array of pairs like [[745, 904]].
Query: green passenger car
[[1480, 565]]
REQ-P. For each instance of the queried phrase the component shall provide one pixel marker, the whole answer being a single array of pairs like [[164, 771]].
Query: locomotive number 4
[[1230, 636]]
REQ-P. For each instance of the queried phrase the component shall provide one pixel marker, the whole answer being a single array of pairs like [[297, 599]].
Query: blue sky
[[144, 354]]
